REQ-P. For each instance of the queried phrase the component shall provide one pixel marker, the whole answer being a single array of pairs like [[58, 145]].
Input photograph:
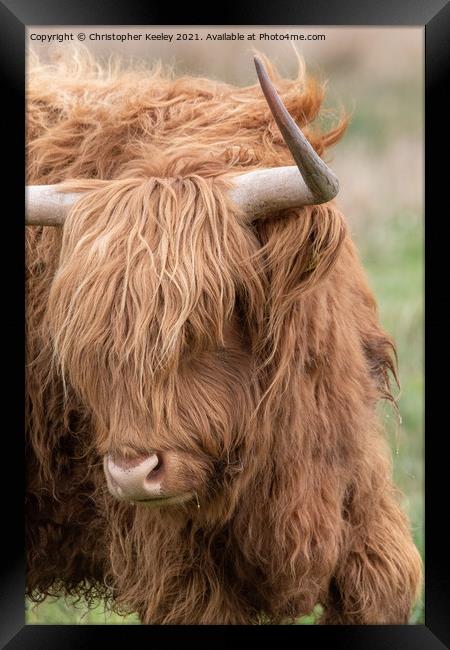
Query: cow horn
[[265, 191], [46, 205]]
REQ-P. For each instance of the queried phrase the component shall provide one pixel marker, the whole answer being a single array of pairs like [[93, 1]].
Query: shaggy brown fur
[[251, 354]]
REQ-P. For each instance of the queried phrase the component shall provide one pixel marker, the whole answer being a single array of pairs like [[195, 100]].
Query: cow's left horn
[[264, 191]]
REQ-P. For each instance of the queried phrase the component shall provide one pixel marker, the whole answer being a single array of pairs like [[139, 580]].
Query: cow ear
[[378, 347], [300, 249]]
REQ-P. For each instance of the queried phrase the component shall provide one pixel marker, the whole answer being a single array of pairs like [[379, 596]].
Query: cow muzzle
[[138, 479]]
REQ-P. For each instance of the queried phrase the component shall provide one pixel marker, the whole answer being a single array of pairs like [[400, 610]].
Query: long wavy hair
[[159, 318]]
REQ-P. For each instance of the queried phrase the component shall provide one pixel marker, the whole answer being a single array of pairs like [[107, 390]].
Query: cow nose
[[137, 479]]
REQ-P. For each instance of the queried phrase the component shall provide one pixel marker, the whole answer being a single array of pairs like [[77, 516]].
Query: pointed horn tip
[[259, 65]]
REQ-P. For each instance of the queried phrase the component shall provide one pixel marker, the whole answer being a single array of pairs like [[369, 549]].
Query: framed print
[[232, 321]]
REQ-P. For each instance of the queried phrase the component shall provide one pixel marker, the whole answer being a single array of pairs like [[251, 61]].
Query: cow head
[[160, 312]]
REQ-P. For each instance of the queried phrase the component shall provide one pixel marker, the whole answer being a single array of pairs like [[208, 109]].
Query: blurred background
[[377, 76]]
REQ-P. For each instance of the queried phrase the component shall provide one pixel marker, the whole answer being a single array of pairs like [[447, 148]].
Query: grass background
[[377, 76]]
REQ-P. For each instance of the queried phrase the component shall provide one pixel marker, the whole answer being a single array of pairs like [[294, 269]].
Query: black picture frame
[[434, 16]]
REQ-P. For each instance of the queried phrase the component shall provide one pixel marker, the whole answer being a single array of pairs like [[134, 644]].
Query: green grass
[[59, 611]]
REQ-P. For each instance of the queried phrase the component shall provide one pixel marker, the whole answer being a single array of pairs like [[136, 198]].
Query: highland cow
[[204, 358]]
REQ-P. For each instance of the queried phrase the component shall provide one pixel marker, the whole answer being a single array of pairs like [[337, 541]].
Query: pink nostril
[[137, 479], [156, 471]]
